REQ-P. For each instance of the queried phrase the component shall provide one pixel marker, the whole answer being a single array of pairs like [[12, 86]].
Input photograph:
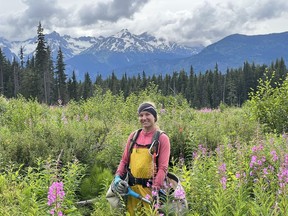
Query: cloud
[[210, 22], [111, 11], [182, 21], [45, 11]]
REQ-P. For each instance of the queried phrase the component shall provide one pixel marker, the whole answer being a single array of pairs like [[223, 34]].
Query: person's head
[[147, 115]]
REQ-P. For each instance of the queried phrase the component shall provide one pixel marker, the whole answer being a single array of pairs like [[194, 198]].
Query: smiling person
[[144, 160]]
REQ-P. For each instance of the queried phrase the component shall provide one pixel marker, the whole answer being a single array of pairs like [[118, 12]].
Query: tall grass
[[227, 164]]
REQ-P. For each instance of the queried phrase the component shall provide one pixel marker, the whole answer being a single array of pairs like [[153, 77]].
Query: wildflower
[[283, 177], [260, 162], [257, 148], [181, 160], [202, 149], [195, 155], [274, 154], [206, 110], [154, 193], [223, 182], [148, 197], [179, 193], [222, 168], [55, 196], [286, 160], [253, 160], [156, 205], [265, 172], [238, 175]]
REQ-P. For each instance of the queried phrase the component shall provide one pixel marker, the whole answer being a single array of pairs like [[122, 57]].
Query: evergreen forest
[[40, 78]]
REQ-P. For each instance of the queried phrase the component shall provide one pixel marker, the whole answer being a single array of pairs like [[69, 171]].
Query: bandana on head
[[148, 108]]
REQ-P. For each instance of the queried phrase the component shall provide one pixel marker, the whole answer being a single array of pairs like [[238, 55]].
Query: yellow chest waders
[[141, 166]]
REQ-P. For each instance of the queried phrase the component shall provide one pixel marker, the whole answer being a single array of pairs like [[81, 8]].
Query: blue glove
[[120, 186], [117, 179]]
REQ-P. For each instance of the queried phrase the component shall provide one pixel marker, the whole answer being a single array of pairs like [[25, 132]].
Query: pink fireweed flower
[[202, 149], [286, 160], [257, 148], [265, 172], [148, 197], [195, 155], [274, 155], [148, 184], [154, 193], [222, 168], [55, 196], [156, 205], [238, 175], [56, 193], [283, 177], [205, 110], [223, 181], [260, 162], [179, 193], [253, 161]]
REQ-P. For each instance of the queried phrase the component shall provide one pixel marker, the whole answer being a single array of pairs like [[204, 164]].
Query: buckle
[[153, 149]]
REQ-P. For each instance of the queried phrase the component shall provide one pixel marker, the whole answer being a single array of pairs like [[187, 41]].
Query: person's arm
[[163, 160], [121, 170]]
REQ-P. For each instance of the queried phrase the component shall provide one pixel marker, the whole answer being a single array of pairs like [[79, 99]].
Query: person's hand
[[120, 186]]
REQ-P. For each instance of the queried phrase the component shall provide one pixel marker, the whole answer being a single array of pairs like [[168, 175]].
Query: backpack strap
[[133, 140], [155, 142]]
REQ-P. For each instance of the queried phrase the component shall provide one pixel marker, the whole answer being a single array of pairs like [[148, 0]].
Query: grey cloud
[[269, 9], [209, 23], [112, 11], [45, 11]]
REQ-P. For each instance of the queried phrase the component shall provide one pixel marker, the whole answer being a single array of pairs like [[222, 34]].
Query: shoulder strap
[[133, 140], [155, 142]]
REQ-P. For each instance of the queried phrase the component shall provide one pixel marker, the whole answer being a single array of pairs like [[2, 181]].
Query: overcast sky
[[188, 22]]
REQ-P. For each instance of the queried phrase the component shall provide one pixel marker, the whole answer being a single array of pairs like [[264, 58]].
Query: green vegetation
[[231, 160]]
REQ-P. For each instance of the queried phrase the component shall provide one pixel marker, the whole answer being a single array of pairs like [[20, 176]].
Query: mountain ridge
[[130, 54]]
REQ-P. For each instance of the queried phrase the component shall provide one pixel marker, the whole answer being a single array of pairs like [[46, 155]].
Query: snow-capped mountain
[[132, 54], [103, 55]]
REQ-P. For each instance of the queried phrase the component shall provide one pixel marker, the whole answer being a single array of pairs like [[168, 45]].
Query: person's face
[[146, 119]]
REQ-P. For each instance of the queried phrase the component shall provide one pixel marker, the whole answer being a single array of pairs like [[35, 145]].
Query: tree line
[[42, 79]]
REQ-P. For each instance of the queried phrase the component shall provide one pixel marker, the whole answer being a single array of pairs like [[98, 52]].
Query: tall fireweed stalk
[[55, 197]]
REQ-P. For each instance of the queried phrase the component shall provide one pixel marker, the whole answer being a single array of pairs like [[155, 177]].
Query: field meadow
[[231, 160]]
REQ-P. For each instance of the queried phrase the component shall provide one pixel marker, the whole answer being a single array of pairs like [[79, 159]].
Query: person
[[144, 174]]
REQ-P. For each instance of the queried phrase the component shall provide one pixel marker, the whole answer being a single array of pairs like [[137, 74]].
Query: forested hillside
[[47, 81]]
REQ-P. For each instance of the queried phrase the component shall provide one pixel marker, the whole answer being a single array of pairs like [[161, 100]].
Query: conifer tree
[[2, 58], [16, 77], [61, 85], [87, 87], [39, 77], [73, 87]]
